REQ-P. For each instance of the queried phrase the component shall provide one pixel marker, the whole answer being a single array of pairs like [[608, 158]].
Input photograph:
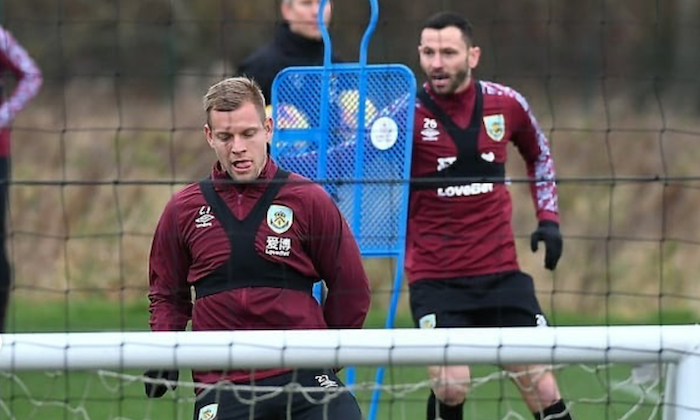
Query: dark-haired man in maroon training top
[[460, 255], [252, 239]]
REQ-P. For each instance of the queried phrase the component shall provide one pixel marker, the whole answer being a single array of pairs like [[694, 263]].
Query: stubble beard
[[457, 81]]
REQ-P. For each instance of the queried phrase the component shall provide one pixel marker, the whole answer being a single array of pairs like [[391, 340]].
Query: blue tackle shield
[[349, 126]]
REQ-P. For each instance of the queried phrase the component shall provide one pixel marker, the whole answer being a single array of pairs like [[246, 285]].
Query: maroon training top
[[189, 243], [465, 229]]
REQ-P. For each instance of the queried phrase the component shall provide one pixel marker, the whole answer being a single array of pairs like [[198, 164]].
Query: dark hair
[[444, 20]]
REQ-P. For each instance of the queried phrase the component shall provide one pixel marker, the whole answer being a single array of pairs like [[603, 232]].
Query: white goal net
[[625, 372]]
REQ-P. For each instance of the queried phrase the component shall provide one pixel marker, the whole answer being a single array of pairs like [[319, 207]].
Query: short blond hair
[[229, 94]]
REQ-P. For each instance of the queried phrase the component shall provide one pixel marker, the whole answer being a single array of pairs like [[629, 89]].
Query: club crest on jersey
[[495, 126], [279, 218], [208, 412], [427, 321]]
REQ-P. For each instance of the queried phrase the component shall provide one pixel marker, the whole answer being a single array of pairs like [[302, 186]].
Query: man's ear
[[268, 125], [474, 53], [208, 135], [285, 10]]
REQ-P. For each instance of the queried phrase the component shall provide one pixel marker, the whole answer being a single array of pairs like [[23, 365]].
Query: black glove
[[157, 390], [548, 231]]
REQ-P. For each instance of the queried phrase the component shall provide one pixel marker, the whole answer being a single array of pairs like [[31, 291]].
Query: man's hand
[[157, 390], [548, 231]]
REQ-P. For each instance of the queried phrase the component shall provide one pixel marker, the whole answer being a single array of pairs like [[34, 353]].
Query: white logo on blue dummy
[[384, 133]]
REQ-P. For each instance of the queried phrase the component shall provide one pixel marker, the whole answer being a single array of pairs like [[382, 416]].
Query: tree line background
[[117, 127], [629, 39]]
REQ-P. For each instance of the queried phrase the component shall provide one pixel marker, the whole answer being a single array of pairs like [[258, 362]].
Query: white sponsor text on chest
[[475, 188]]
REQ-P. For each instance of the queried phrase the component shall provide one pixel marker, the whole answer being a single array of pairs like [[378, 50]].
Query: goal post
[[676, 345]]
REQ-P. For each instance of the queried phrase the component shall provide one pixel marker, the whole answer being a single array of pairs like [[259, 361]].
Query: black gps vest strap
[[468, 164], [245, 267]]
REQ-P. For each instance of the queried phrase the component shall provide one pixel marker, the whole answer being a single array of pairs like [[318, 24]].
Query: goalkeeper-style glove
[[548, 231], [157, 390]]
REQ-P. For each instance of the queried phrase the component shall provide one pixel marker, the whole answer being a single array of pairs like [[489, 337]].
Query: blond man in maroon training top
[[460, 256], [252, 239]]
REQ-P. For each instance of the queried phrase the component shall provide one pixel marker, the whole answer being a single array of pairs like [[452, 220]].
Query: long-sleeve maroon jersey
[[464, 228], [303, 231]]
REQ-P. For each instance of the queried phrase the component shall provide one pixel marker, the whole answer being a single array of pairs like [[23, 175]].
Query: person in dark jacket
[[251, 240], [460, 251], [297, 42]]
